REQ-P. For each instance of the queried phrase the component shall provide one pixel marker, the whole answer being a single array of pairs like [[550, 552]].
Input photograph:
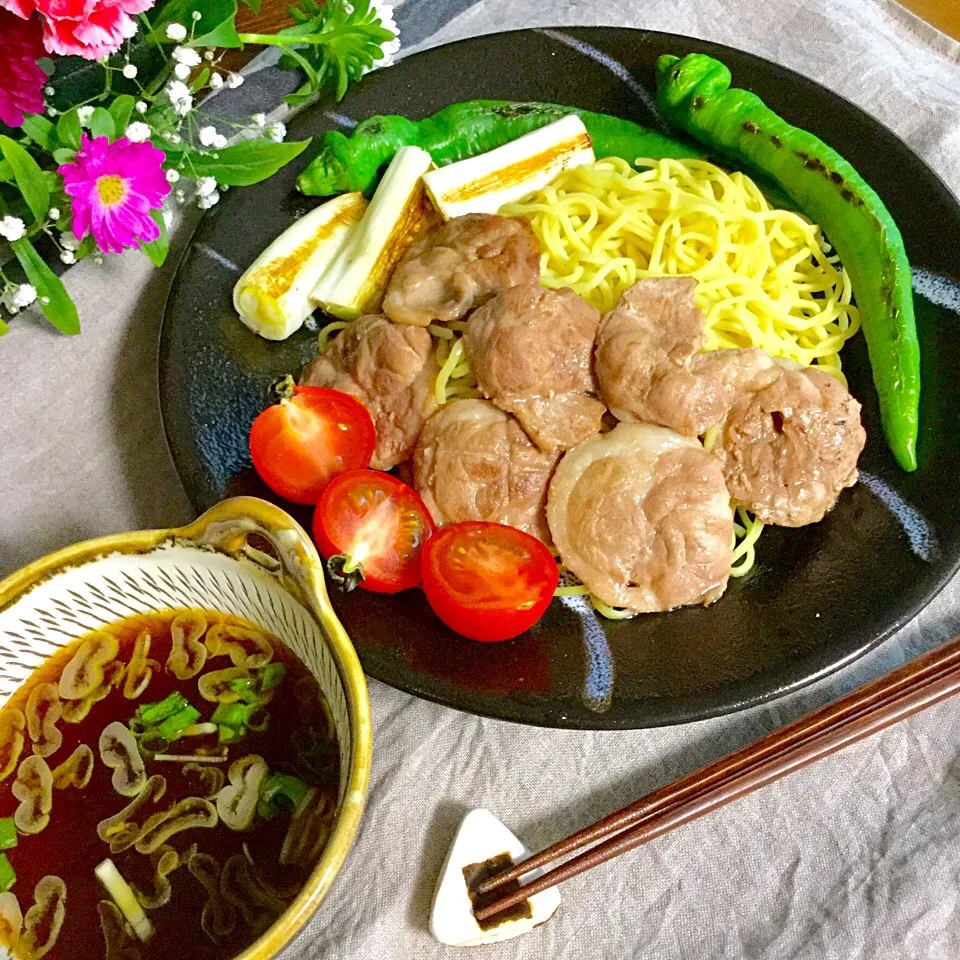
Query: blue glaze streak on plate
[[615, 67], [922, 541], [942, 291], [598, 685]]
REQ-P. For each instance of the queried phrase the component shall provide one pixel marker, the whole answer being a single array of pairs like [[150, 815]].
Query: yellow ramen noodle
[[765, 277]]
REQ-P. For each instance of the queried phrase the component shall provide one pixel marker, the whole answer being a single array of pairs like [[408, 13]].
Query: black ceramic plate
[[818, 597]]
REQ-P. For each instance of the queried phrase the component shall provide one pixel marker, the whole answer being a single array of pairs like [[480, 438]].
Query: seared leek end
[[399, 211], [273, 296], [483, 184]]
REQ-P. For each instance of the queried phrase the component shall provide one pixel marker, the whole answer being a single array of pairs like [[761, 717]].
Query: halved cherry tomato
[[299, 444], [371, 528], [487, 581]]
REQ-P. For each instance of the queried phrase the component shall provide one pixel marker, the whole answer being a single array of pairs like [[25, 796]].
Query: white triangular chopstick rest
[[480, 837]]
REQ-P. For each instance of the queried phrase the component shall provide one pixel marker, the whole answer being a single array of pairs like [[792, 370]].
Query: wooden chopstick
[[905, 691]]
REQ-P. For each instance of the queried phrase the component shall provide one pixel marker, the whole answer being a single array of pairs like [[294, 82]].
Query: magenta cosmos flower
[[113, 188], [21, 80], [84, 28]]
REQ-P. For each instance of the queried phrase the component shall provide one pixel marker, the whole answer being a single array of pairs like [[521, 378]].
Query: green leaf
[[157, 249], [342, 39], [101, 124], [245, 163], [121, 110], [6, 172], [68, 129], [200, 80], [215, 27], [41, 131], [254, 5], [224, 35], [28, 177], [64, 154], [59, 309], [3, 328]]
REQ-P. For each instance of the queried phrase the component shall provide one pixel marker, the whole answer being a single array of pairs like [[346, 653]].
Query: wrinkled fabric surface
[[857, 858]]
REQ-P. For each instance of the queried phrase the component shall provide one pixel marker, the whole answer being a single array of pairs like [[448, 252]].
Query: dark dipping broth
[[226, 883]]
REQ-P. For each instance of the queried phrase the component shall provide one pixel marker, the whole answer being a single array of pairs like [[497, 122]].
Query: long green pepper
[[462, 130], [694, 94]]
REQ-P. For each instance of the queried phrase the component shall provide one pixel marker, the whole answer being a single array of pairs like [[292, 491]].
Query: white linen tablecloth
[[857, 857]]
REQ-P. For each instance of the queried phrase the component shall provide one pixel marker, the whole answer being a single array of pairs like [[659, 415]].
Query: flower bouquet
[[93, 177]]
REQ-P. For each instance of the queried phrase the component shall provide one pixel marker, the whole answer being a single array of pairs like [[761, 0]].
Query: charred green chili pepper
[[694, 94], [462, 130]]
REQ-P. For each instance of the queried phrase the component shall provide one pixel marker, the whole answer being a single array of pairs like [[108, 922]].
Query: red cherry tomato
[[487, 581], [371, 528], [299, 444]]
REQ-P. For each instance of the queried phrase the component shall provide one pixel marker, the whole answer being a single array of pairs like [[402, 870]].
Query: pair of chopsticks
[[907, 690]]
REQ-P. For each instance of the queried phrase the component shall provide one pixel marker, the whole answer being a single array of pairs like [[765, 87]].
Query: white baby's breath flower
[[129, 71], [11, 228], [167, 218], [384, 12], [53, 213], [18, 296], [84, 114], [186, 55], [276, 132], [216, 81], [210, 138], [181, 71], [68, 241], [24, 295], [234, 80], [206, 202], [176, 32], [180, 96], [206, 186], [172, 176], [137, 132], [6, 300], [141, 107], [197, 15], [51, 112], [259, 120], [98, 259], [208, 55], [49, 91], [68, 257]]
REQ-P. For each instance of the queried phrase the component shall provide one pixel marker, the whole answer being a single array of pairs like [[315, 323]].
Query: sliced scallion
[[281, 793], [124, 897], [246, 688], [8, 876], [173, 726], [234, 714], [8, 833], [271, 676], [153, 714], [230, 734]]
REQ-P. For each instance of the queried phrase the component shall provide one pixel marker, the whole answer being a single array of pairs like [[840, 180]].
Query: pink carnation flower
[[113, 187], [21, 80], [84, 28]]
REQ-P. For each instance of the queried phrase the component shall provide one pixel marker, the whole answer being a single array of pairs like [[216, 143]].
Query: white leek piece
[[483, 184], [399, 210], [273, 296], [124, 897]]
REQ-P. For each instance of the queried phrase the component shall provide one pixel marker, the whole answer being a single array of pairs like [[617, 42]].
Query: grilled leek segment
[[483, 184], [273, 295], [398, 212]]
